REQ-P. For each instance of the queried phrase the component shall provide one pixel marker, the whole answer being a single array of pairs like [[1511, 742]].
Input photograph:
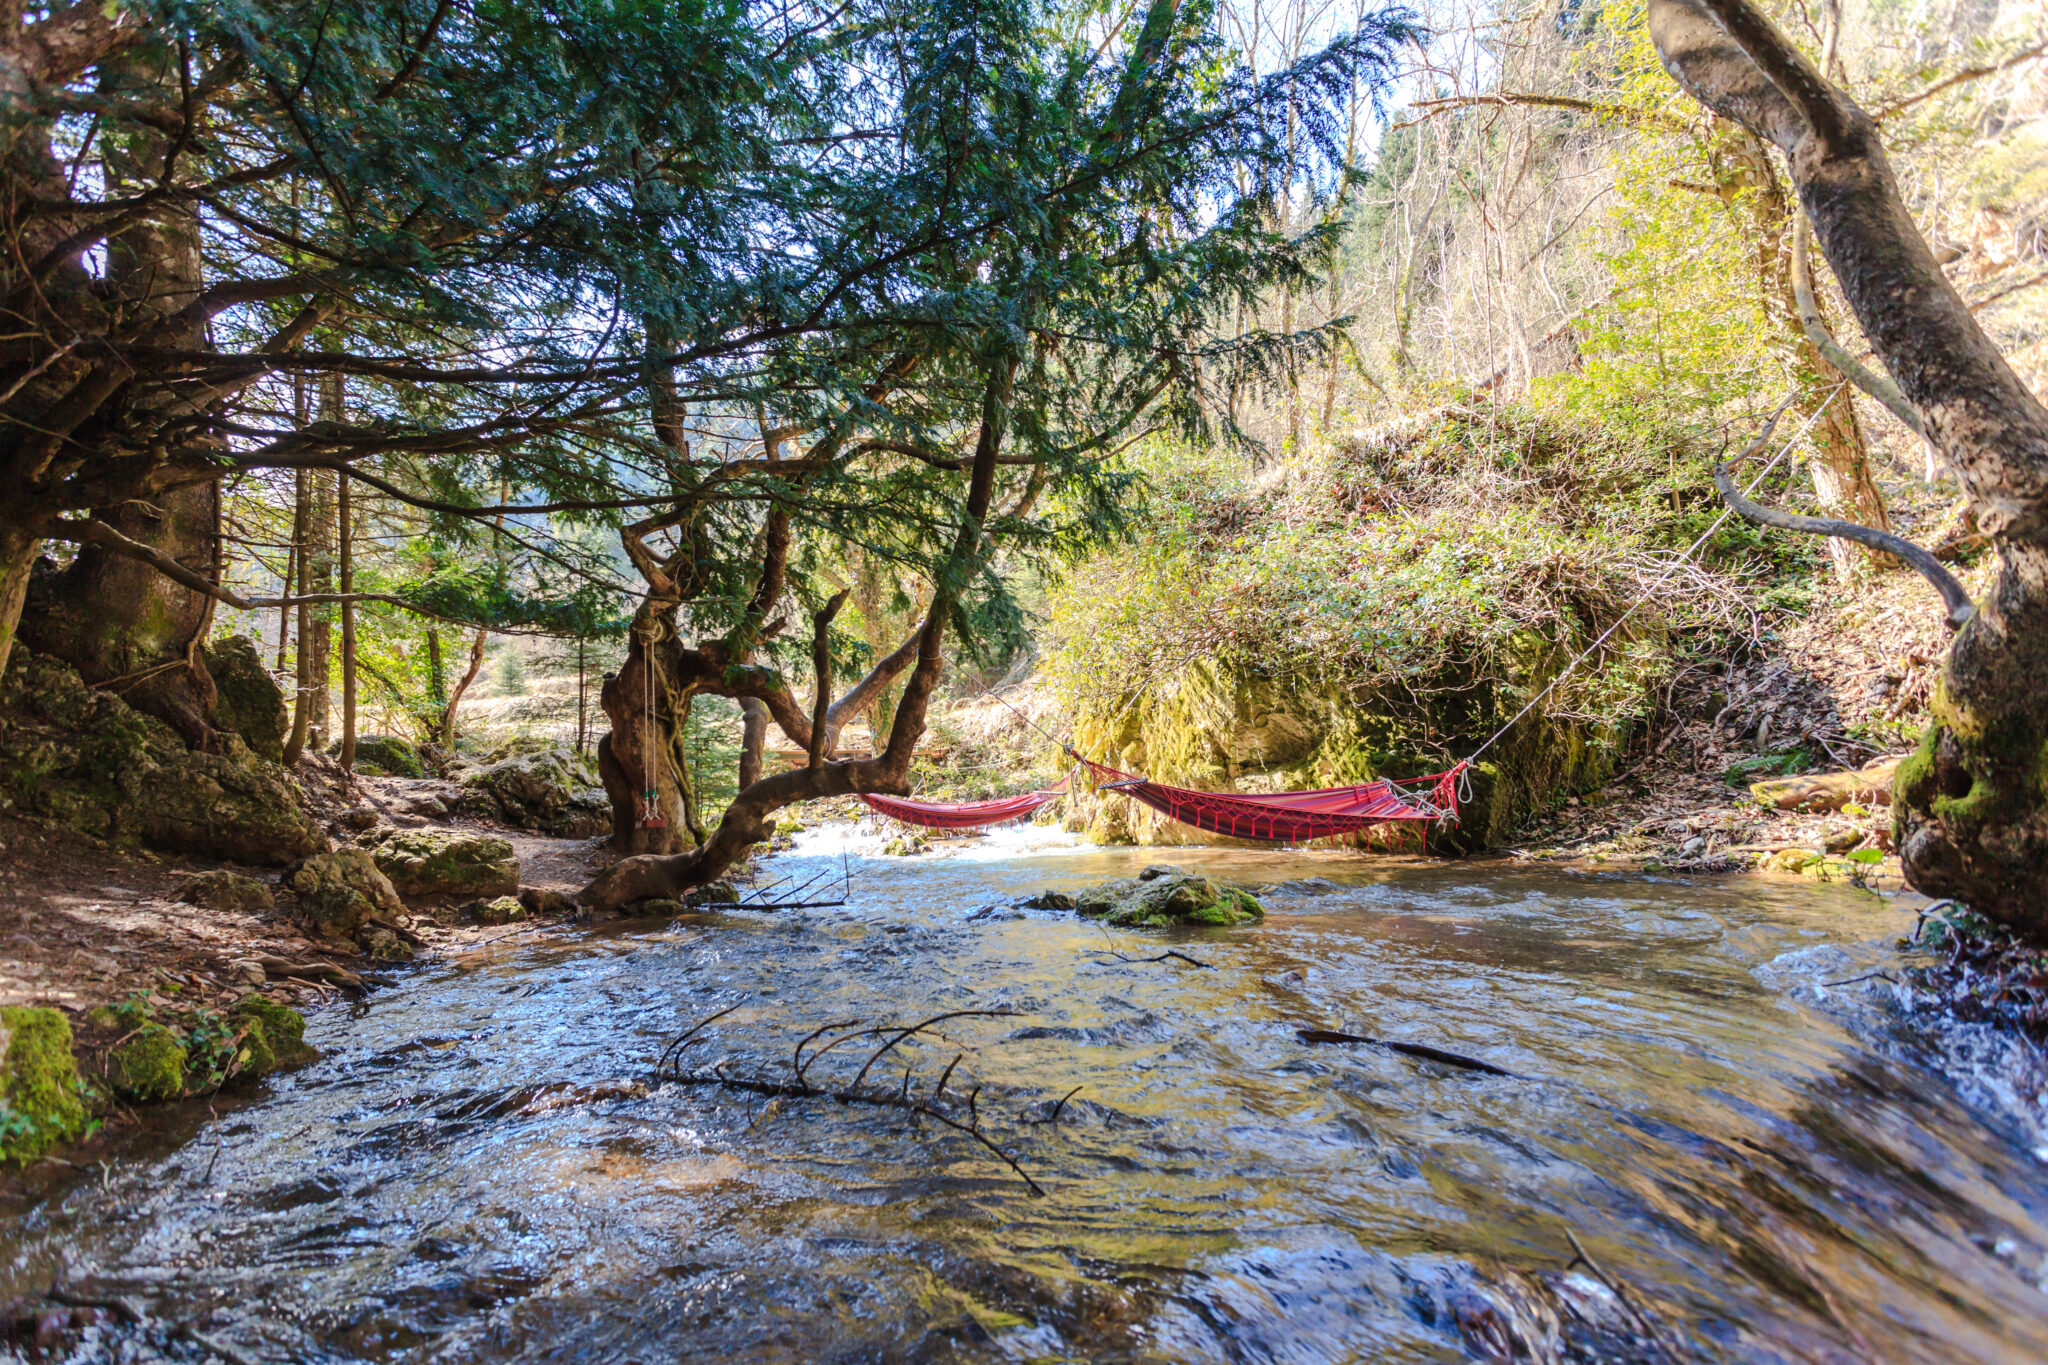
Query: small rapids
[[485, 1165]]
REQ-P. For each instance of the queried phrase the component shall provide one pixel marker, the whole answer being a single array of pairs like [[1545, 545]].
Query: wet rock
[[553, 792], [540, 901], [226, 891], [906, 846], [385, 946], [284, 1028], [497, 910], [148, 1066], [385, 756], [434, 862], [1050, 900], [38, 1083], [1163, 895], [248, 700], [713, 893], [88, 760], [337, 890]]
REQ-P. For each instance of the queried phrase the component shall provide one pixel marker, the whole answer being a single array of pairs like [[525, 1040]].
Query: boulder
[[497, 910], [439, 862], [540, 901], [385, 946], [552, 791], [385, 756], [248, 700], [906, 846], [1161, 895], [148, 1066], [39, 1103], [337, 890], [284, 1029], [86, 759], [226, 891]]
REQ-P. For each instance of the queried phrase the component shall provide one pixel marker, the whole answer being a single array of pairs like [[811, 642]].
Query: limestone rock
[[385, 946], [336, 890], [385, 756], [226, 891], [248, 700], [497, 910], [1161, 895], [38, 1083], [148, 1066], [541, 901], [552, 791], [88, 760], [434, 862]]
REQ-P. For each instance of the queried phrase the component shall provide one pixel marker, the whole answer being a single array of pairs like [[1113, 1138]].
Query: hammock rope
[[1300, 816]]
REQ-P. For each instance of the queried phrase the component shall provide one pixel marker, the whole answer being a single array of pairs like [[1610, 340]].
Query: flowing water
[[1770, 1167]]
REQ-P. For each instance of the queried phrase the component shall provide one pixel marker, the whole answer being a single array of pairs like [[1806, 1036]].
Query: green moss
[[148, 1066], [254, 1055], [39, 1092], [284, 1028]]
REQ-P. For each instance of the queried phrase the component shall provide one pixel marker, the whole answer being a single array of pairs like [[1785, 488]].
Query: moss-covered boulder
[[497, 910], [39, 1087], [385, 756], [906, 846], [1163, 895], [226, 891], [88, 760], [337, 890], [539, 900], [248, 700], [148, 1066], [553, 791], [283, 1028], [440, 862]]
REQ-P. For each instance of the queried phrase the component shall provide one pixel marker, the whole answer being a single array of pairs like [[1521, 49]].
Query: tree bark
[[1971, 806], [446, 730], [302, 673], [346, 529]]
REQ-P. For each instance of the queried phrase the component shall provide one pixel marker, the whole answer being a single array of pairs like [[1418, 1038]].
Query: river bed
[[483, 1165]]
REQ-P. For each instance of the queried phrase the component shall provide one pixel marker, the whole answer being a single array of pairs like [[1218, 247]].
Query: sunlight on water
[[485, 1165]]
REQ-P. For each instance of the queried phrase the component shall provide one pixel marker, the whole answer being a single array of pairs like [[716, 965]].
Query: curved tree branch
[[1837, 355]]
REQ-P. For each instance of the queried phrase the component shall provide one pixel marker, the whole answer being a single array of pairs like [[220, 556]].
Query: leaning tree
[[1059, 219], [1971, 806]]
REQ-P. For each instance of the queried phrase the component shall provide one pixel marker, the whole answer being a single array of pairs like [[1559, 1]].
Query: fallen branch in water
[[796, 1084], [1191, 961], [1422, 1050]]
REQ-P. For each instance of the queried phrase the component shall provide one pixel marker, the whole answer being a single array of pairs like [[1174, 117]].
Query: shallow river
[[1770, 1168]]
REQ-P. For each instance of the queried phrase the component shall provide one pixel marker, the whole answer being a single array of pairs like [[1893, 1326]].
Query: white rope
[[1648, 592]]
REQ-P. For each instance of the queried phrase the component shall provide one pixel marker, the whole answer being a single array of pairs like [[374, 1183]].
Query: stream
[[483, 1165]]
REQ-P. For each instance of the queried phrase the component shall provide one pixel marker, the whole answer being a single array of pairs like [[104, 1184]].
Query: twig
[[796, 1062], [1867, 976], [1054, 1117], [692, 1032], [120, 1307], [1422, 1050], [1580, 1256], [1191, 961], [903, 1033]]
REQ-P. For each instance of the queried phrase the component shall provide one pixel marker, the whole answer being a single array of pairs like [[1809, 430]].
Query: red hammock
[[969, 815], [1292, 817]]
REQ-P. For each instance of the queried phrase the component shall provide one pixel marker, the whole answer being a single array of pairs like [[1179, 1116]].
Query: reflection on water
[[1769, 1163]]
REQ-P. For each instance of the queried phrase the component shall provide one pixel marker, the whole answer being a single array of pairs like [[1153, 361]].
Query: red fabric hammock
[[1292, 817], [968, 815]]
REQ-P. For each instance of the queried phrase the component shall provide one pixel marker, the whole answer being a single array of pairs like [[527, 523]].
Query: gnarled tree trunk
[[1971, 807]]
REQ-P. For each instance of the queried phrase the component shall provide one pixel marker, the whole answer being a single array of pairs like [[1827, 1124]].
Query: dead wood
[[1421, 1050]]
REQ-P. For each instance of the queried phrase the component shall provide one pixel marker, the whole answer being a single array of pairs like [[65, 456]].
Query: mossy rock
[[226, 891], [434, 862], [248, 700], [497, 910], [713, 893], [39, 1089], [553, 791], [385, 756], [1164, 895], [337, 890], [284, 1029], [906, 846], [86, 759], [149, 1066]]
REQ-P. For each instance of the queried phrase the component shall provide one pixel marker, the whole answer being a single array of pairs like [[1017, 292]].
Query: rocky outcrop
[[225, 891], [441, 862], [248, 700], [86, 759], [337, 891], [1160, 896], [552, 791], [386, 756]]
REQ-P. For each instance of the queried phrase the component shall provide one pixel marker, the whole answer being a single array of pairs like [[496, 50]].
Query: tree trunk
[[635, 758], [1970, 808], [446, 730], [18, 551], [318, 642], [128, 628], [346, 528], [302, 675]]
